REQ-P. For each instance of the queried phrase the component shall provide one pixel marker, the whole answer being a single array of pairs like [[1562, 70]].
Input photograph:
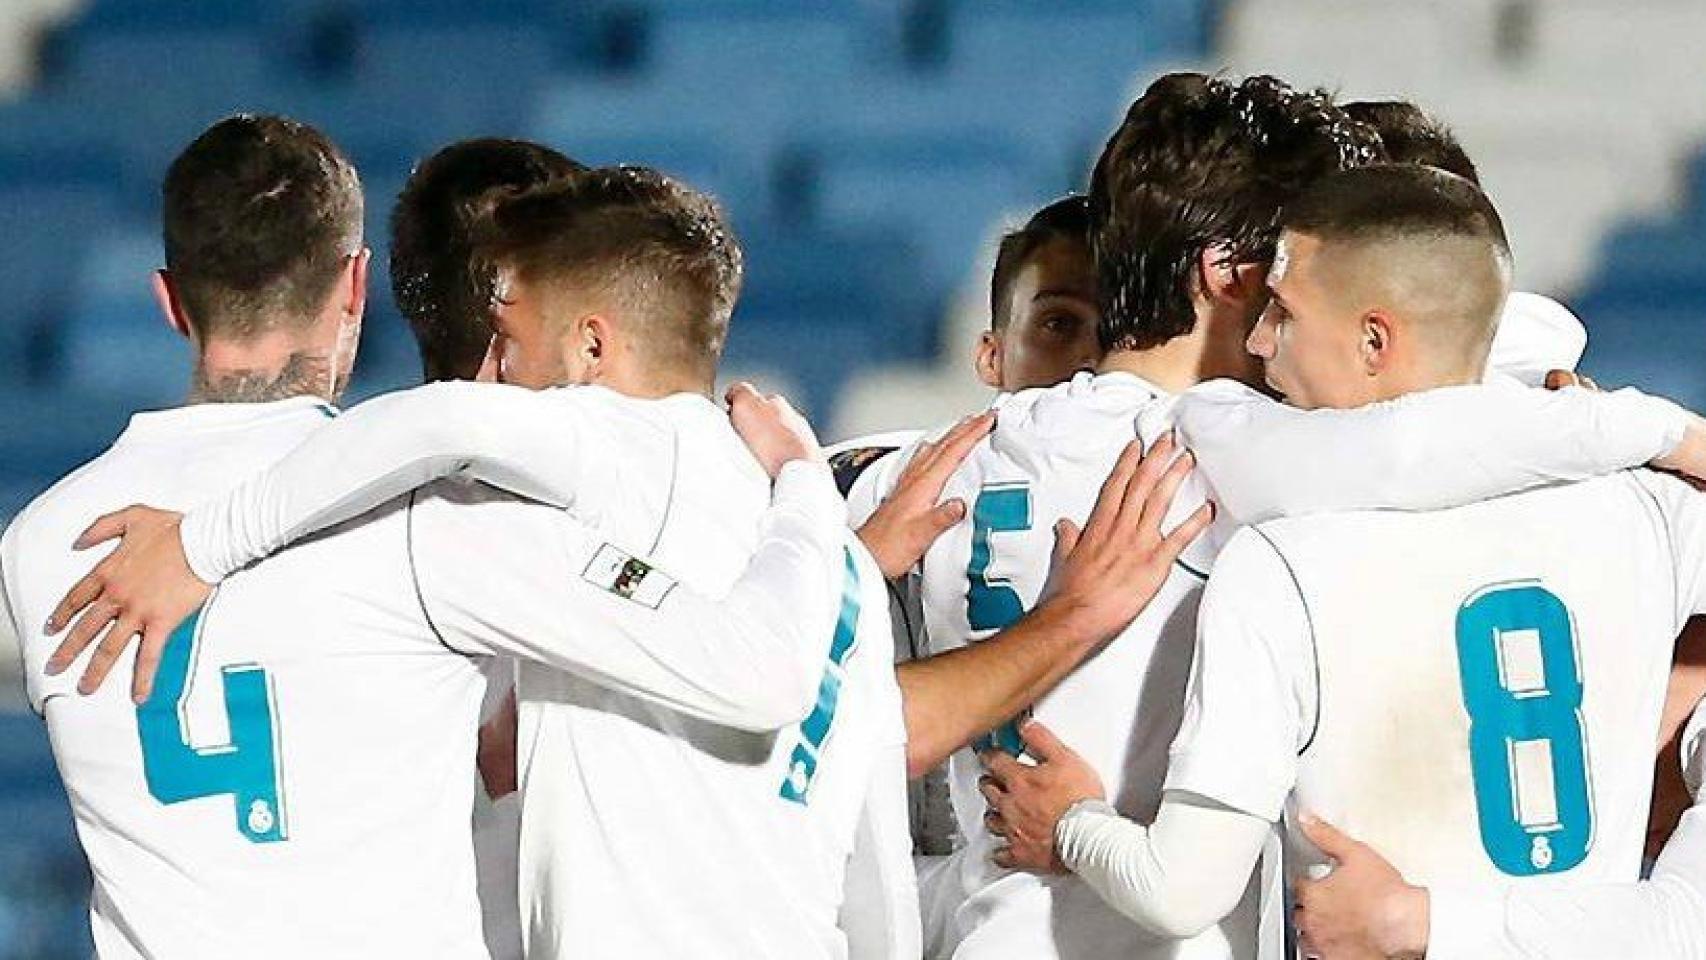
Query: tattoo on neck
[[301, 375]]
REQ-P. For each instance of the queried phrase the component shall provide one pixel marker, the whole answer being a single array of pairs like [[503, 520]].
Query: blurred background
[[868, 151]]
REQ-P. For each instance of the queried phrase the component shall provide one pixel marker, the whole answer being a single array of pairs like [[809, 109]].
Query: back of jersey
[[1490, 677], [1047, 459], [649, 833], [299, 782]]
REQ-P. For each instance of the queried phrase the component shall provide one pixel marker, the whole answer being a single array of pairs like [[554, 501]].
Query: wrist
[[1064, 619]]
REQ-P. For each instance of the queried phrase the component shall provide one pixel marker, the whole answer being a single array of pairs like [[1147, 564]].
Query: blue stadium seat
[[114, 340], [748, 129], [700, 162], [814, 54], [1658, 350], [44, 228], [946, 193], [461, 80]]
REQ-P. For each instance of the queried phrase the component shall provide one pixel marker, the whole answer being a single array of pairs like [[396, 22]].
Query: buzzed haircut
[[1065, 219], [260, 214], [434, 281], [1201, 164], [1434, 235], [634, 237], [1410, 135]]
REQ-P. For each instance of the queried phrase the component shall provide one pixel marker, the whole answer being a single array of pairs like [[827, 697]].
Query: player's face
[[530, 348], [1051, 319], [1308, 341]]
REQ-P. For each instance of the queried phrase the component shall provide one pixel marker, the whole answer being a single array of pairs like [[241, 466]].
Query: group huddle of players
[[1272, 608]]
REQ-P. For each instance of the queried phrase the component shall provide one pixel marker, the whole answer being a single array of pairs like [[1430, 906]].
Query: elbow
[[1171, 920]]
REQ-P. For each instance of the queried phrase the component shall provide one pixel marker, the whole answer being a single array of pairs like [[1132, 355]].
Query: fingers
[[993, 822], [1001, 765], [84, 592], [148, 655], [1003, 857], [106, 654], [1066, 535], [1040, 741], [1328, 838], [1112, 495], [88, 626], [992, 790], [936, 460], [1156, 462], [106, 528], [1559, 379], [945, 515], [1185, 533], [1160, 498]]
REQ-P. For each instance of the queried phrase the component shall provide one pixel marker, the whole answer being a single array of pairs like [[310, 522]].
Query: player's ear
[[171, 307], [1376, 342], [353, 283], [1219, 278], [988, 360]]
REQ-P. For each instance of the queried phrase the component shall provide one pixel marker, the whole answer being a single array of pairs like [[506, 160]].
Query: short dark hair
[[259, 214], [1410, 135], [662, 248], [1065, 219], [1202, 163], [433, 278], [1396, 201]]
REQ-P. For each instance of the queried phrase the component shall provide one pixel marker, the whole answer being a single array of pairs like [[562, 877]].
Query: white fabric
[[1170, 877], [1536, 335], [1467, 443], [751, 874], [1387, 683], [1047, 458], [372, 722], [1664, 916], [497, 833]]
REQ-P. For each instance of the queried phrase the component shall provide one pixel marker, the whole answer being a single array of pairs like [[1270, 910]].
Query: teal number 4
[[814, 729], [994, 604], [246, 768], [1522, 687]]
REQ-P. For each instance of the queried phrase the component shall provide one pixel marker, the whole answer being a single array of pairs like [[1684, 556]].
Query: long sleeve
[[879, 912], [526, 442], [1664, 916], [1265, 459], [498, 575], [1175, 878]]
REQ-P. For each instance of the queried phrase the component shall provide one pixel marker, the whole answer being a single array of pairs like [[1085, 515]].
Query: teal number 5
[[994, 604], [246, 768], [1516, 652]]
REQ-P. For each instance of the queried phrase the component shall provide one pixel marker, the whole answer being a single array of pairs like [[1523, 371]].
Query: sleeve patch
[[616, 571]]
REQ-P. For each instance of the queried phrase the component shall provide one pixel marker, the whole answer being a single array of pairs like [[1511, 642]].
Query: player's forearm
[[1472, 442], [955, 697], [1176, 878], [751, 660], [376, 452]]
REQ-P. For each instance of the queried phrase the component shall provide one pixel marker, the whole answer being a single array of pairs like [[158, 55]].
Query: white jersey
[[1046, 459], [791, 817], [298, 785], [1474, 692]]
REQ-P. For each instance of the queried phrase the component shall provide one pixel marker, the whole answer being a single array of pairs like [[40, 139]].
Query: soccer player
[[1042, 302], [1318, 668], [1365, 908], [298, 783], [624, 279], [446, 298]]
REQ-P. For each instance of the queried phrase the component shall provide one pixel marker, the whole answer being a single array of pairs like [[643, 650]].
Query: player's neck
[[272, 367], [1213, 348]]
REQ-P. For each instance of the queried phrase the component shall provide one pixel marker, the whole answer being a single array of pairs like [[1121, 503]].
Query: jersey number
[[814, 729], [246, 768], [1516, 651], [994, 604]]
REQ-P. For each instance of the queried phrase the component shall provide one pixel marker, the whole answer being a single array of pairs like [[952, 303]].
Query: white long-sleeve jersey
[[790, 824], [336, 851]]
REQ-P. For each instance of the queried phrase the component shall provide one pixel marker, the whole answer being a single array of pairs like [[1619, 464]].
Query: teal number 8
[[246, 768], [994, 604], [1522, 687]]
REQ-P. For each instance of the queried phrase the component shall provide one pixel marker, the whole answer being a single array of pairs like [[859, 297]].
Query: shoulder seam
[[415, 579], [1314, 645]]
